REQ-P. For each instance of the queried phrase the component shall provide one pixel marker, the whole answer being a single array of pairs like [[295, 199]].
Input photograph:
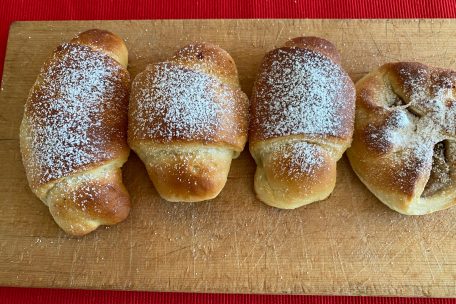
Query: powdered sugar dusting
[[388, 136], [430, 108], [299, 158], [78, 94], [175, 102], [302, 92]]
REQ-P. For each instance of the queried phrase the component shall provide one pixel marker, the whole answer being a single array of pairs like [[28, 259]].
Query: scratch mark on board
[[423, 249], [236, 249], [279, 33], [130, 259]]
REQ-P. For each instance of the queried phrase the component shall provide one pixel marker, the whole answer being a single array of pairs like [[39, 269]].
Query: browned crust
[[106, 42], [186, 173], [316, 44], [209, 58], [80, 207]]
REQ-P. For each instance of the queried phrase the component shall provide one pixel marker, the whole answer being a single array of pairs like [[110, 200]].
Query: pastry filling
[[440, 173]]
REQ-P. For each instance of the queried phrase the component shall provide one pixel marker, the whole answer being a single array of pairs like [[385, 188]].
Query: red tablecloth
[[11, 10]]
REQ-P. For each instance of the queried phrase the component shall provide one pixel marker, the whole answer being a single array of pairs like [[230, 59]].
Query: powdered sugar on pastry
[[178, 103], [301, 92], [299, 158], [78, 106]]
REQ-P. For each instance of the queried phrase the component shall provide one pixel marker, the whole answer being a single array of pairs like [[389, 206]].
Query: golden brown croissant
[[403, 147], [302, 122], [73, 133], [188, 119]]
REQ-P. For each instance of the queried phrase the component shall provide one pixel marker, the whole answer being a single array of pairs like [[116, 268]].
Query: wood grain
[[348, 244]]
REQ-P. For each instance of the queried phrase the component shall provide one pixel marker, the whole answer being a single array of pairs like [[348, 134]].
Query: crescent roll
[[302, 110], [73, 134], [188, 119]]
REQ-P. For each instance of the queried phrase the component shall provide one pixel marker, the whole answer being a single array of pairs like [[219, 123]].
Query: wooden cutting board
[[347, 244]]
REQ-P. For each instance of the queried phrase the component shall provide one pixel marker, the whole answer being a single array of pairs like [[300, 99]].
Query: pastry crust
[[73, 133], [403, 147], [302, 122], [188, 119]]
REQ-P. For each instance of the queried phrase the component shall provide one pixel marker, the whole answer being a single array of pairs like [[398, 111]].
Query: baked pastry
[[302, 110], [188, 119], [403, 148], [73, 134]]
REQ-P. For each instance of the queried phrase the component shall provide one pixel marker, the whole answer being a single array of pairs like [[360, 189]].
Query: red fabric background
[[12, 10]]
